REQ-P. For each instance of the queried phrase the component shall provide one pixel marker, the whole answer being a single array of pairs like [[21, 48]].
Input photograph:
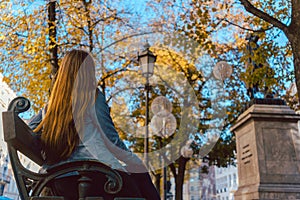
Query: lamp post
[[146, 61]]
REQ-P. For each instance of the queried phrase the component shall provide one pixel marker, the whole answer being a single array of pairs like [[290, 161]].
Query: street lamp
[[146, 61]]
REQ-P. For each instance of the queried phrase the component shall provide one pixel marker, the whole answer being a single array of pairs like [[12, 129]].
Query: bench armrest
[[19, 135]]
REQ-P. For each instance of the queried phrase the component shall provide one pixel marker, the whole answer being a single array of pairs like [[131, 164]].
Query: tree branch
[[127, 37], [114, 72], [104, 19], [119, 91], [248, 29], [73, 43], [264, 16]]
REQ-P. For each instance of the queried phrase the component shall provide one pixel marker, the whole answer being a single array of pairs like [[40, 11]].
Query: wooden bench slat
[[47, 198], [128, 198]]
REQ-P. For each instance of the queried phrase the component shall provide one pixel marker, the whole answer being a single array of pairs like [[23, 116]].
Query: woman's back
[[77, 126], [92, 145]]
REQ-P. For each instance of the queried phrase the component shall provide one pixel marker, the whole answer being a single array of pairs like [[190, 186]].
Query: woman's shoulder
[[99, 92], [100, 97], [100, 102]]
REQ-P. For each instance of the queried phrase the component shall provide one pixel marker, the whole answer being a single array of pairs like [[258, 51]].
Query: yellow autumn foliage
[[86, 25]]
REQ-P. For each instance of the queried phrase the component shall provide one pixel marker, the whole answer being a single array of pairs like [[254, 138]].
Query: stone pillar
[[268, 153]]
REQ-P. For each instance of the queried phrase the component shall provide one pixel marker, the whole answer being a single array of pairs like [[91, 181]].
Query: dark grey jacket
[[100, 139]]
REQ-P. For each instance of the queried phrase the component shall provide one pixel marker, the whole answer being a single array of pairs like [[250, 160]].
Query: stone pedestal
[[268, 153]]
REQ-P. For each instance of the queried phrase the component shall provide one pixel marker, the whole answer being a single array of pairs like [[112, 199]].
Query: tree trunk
[[52, 43], [296, 54], [157, 178], [293, 34], [89, 24], [179, 180]]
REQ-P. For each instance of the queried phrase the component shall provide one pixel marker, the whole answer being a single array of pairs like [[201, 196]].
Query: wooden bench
[[19, 138]]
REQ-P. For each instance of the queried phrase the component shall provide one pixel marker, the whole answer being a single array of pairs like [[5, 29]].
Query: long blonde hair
[[71, 96]]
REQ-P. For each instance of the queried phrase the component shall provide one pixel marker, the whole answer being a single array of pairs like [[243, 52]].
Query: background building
[[194, 184], [210, 183], [8, 187], [200, 184], [226, 182], [6, 95]]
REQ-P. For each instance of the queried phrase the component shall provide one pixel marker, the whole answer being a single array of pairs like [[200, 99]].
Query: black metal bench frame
[[19, 138]]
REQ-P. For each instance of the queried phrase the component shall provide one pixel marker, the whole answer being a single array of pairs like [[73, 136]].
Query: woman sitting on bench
[[76, 125]]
